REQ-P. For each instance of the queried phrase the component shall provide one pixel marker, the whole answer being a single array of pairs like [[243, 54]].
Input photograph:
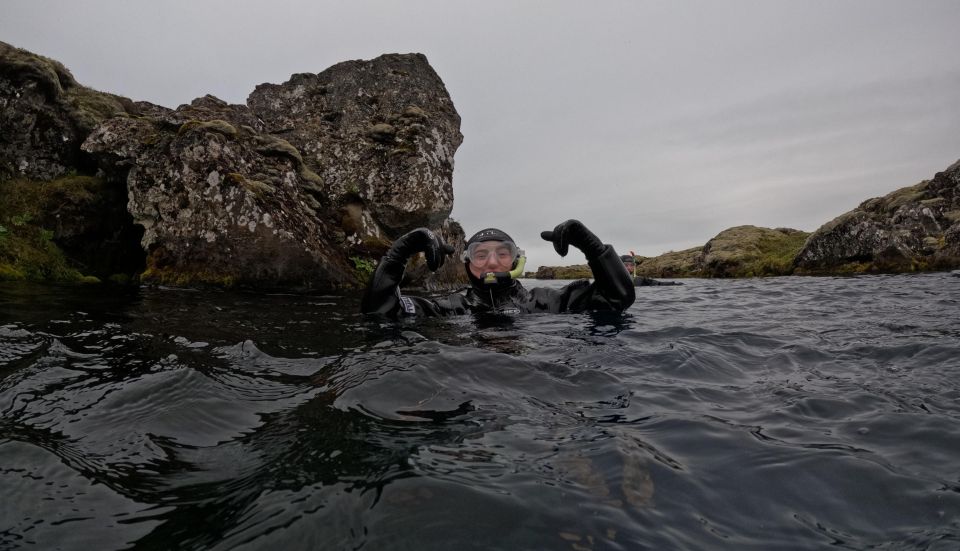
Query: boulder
[[306, 186], [750, 251], [382, 133], [58, 220], [671, 264], [740, 251], [911, 229], [45, 116]]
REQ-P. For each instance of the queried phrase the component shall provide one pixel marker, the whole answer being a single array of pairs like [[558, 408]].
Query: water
[[787, 413]]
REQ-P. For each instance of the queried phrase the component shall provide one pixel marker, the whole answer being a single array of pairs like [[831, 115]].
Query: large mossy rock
[[304, 187], [45, 116], [60, 217], [915, 228], [380, 132], [671, 264], [750, 251], [741, 251]]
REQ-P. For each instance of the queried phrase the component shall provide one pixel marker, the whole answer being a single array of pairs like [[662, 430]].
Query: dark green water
[[788, 413]]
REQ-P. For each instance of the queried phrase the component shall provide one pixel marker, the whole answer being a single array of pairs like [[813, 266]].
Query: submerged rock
[[912, 229]]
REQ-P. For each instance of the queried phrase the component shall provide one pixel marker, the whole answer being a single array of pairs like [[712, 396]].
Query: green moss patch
[[27, 250]]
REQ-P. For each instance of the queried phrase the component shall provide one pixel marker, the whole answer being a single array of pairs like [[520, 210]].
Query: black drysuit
[[612, 289]]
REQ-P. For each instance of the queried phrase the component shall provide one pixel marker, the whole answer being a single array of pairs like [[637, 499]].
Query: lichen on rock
[[251, 194], [914, 228]]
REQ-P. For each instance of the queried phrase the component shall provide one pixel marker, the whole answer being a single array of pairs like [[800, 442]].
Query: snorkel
[[504, 278]]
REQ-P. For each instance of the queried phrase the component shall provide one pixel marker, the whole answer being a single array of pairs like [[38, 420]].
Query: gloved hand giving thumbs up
[[573, 232], [417, 241]]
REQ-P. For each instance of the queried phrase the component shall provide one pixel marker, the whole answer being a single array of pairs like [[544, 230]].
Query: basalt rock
[[302, 188], [750, 251], [306, 186], [912, 229], [45, 116], [382, 132], [57, 220], [741, 251]]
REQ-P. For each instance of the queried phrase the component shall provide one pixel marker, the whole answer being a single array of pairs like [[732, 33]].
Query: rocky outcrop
[[45, 116], [383, 132], [749, 251], [912, 229], [56, 223], [305, 186], [578, 271], [671, 264], [741, 251]]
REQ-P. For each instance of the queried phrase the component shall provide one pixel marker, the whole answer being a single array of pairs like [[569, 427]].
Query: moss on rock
[[27, 249], [216, 125]]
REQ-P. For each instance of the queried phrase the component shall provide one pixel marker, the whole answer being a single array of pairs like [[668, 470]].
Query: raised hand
[[417, 241], [573, 232]]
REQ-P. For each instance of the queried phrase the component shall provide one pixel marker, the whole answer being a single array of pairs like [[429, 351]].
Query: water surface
[[782, 413]]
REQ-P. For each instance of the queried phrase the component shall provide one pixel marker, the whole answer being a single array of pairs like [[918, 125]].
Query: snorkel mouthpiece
[[493, 278]]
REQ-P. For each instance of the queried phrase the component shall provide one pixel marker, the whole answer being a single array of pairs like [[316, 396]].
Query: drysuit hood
[[501, 280]]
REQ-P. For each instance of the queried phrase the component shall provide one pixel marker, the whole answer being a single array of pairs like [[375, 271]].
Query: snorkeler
[[493, 263], [630, 263]]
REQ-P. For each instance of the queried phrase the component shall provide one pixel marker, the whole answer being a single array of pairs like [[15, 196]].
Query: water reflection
[[172, 419]]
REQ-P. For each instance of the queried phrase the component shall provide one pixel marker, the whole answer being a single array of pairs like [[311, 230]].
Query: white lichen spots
[[210, 236], [252, 225], [23, 165], [213, 178], [267, 220]]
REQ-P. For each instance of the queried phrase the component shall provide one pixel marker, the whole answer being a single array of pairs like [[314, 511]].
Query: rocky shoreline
[[912, 229], [307, 184], [304, 187]]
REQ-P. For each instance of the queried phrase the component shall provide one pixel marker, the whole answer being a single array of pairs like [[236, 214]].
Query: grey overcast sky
[[657, 123]]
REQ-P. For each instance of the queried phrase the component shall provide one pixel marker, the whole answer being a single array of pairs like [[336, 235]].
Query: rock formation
[[748, 251], [741, 251], [305, 186], [55, 222], [914, 228]]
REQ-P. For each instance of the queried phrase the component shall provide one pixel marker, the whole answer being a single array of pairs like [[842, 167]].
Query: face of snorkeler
[[491, 256]]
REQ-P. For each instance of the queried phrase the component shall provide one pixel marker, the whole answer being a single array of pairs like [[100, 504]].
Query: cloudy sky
[[656, 123]]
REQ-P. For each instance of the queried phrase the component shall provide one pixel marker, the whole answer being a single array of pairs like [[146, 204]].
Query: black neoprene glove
[[417, 241], [573, 232], [383, 292]]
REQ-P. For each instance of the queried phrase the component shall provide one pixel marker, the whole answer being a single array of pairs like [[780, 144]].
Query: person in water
[[630, 263], [493, 263]]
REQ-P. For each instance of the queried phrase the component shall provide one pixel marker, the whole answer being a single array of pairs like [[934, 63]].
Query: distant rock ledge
[[913, 229], [305, 186]]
